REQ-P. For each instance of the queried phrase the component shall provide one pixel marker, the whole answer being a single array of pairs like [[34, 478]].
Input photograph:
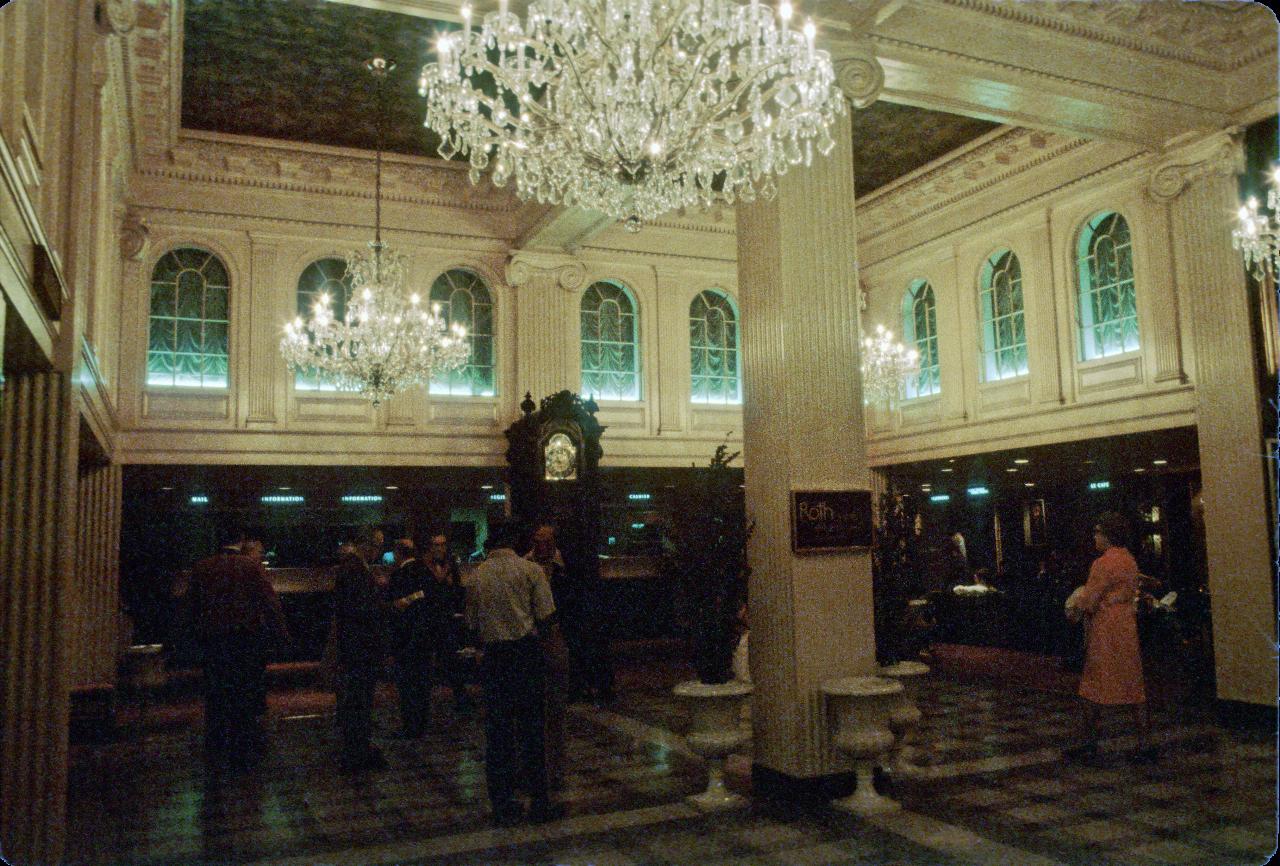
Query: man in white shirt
[[509, 605]]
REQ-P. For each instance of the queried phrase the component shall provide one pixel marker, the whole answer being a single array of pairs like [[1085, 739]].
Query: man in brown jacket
[[237, 616]]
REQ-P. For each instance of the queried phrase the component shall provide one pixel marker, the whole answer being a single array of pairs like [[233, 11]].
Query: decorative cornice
[[1157, 28], [1220, 154], [225, 160], [542, 272], [991, 161], [150, 73], [860, 75]]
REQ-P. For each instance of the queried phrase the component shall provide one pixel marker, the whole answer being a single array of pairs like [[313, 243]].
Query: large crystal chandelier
[[387, 340], [886, 365], [1257, 235], [633, 108]]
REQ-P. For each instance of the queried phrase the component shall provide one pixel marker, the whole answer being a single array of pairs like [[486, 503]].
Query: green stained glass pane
[[161, 364], [483, 319], [190, 295], [166, 270], [1019, 329], [188, 336], [215, 369], [162, 338], [215, 338], [190, 370], [215, 303], [164, 297]]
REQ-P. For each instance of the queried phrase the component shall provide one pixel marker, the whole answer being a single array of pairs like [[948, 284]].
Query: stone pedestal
[[863, 706], [904, 715], [713, 734]]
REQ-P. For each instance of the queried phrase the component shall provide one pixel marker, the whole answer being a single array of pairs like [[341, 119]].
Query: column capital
[[134, 233], [859, 74], [1221, 154], [115, 17], [541, 271]]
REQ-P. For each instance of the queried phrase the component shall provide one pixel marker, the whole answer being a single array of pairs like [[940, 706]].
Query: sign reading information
[[826, 520]]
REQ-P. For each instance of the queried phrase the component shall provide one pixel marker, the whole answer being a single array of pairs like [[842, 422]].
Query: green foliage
[[707, 557]]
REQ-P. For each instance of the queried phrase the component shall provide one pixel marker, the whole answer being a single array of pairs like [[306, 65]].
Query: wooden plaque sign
[[830, 520]]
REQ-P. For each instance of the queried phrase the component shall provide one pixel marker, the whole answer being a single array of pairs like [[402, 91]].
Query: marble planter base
[[713, 735], [863, 705]]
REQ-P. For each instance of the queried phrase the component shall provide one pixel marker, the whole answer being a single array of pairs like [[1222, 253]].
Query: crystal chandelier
[[633, 108], [886, 365], [387, 340], [1257, 235]]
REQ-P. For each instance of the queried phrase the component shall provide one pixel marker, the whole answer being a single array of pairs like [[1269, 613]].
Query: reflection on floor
[[991, 788]]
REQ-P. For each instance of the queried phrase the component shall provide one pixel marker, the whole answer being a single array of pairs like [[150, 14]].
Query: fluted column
[[1200, 186], [259, 376], [803, 430], [97, 586], [547, 292], [37, 550]]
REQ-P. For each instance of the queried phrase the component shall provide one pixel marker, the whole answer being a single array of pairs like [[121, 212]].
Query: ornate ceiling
[[293, 70]]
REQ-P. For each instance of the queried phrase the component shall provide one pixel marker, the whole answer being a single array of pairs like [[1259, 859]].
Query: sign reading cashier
[[830, 520]]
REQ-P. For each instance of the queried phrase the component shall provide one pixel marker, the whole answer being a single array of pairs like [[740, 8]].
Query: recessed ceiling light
[[486, 486], [391, 487], [1090, 462], [1159, 462], [946, 469], [166, 488], [1028, 484], [284, 488], [951, 460], [1140, 469], [1021, 460], [1012, 469]]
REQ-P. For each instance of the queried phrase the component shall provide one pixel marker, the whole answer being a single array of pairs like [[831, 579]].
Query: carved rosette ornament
[[115, 17], [133, 236], [1221, 154], [569, 274], [860, 76]]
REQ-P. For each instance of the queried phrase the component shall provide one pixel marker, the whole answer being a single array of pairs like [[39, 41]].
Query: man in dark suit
[[237, 616], [411, 638], [360, 631]]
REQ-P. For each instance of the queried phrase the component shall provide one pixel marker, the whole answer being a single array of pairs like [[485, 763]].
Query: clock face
[[561, 458]]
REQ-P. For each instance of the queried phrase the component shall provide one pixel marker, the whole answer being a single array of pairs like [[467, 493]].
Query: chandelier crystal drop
[[1257, 235], [633, 108], [886, 366], [387, 340]]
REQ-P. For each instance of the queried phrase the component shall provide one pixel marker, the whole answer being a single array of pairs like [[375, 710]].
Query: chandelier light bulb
[[633, 108]]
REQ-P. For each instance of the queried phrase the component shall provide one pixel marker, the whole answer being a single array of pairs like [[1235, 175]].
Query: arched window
[[1004, 328], [713, 349], [920, 325], [324, 277], [1108, 307], [610, 349], [464, 299], [187, 346]]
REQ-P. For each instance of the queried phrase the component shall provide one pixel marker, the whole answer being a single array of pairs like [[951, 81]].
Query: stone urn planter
[[714, 733], [862, 706], [904, 715]]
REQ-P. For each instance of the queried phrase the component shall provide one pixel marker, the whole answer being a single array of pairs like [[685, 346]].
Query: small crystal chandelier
[[886, 366], [387, 340], [1258, 234], [633, 108]]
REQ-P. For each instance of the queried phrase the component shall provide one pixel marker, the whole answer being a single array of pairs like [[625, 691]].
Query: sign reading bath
[[830, 520]]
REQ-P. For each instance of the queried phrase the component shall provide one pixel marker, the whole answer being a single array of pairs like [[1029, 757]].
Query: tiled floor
[[988, 788]]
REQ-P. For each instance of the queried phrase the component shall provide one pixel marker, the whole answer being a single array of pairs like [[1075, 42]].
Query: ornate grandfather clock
[[553, 460]]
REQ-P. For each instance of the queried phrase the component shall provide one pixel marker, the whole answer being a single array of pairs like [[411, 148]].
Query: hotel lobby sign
[[824, 521]]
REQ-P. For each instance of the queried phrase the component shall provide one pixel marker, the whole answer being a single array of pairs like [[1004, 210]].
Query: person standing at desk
[[410, 638], [359, 626]]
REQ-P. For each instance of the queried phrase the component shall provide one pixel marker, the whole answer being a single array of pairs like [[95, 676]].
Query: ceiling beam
[[563, 229]]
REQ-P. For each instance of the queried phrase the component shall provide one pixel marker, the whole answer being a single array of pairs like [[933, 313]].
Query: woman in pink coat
[[1113, 663]]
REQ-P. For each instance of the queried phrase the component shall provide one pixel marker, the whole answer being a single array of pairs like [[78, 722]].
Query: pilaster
[[259, 377], [546, 290], [38, 447], [803, 430]]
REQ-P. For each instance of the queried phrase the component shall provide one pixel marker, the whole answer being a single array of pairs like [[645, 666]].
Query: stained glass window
[[920, 325], [187, 346], [610, 348], [1108, 306], [464, 299], [1004, 327], [326, 276], [713, 348]]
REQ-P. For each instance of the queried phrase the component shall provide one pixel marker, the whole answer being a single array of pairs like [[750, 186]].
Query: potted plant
[[707, 557]]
